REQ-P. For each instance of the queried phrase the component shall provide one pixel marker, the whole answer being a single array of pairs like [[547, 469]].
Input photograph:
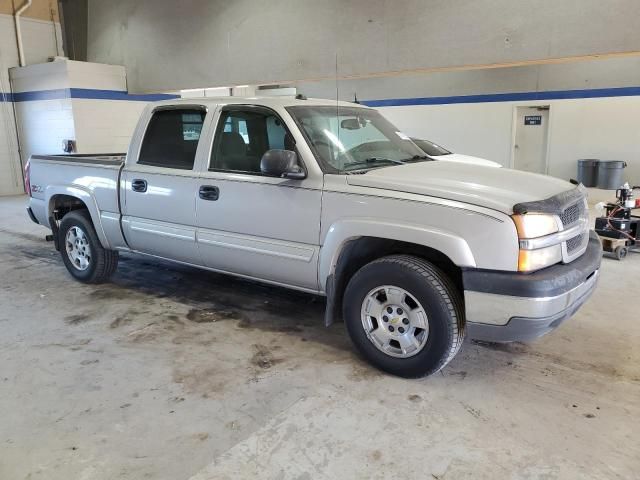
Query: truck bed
[[92, 178], [109, 159]]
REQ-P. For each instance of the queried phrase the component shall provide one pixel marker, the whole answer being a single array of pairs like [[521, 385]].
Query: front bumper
[[511, 306]]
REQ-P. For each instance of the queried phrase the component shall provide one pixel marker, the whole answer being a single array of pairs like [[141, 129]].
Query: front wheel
[[404, 315], [82, 254]]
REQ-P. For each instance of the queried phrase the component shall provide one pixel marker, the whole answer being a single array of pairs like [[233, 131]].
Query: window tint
[[244, 137], [171, 138]]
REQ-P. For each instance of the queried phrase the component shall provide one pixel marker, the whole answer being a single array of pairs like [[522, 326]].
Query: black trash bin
[[588, 172], [610, 174]]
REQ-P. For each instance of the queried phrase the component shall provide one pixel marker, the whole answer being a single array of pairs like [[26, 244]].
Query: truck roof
[[284, 101]]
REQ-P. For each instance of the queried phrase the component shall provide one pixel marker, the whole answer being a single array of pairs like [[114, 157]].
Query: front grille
[[576, 242], [572, 214]]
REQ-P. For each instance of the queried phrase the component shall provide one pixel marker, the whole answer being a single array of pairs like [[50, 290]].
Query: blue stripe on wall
[[119, 95], [507, 97], [85, 93], [95, 94]]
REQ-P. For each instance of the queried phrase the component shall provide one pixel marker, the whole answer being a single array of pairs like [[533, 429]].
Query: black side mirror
[[281, 163]]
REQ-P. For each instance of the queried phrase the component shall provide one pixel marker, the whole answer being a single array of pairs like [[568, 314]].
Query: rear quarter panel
[[96, 185]]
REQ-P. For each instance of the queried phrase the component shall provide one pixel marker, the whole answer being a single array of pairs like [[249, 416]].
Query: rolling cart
[[618, 228]]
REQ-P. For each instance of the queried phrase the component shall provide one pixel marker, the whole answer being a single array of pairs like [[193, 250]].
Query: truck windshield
[[353, 138]]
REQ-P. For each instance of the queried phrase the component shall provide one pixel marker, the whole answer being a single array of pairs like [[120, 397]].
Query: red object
[[637, 202], [27, 178]]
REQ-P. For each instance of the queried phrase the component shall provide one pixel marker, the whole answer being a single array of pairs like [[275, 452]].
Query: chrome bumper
[[529, 306]]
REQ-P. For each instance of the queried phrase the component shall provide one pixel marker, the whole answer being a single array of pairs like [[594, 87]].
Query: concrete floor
[[173, 373]]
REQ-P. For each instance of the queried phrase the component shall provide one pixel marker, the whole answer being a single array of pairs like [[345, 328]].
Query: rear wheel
[[404, 315], [83, 255]]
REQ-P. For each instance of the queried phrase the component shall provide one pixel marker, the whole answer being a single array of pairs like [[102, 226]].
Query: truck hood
[[495, 188], [460, 158]]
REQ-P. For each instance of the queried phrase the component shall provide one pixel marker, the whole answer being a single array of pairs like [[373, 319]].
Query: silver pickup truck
[[332, 199]]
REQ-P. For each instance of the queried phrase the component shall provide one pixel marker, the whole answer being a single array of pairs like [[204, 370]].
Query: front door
[[250, 224], [530, 141], [161, 188]]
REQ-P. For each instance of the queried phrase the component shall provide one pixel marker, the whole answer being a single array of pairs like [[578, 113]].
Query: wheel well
[[358, 252], [61, 204]]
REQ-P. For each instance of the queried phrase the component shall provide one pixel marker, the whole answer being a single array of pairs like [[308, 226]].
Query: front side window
[[244, 137], [172, 138], [354, 138]]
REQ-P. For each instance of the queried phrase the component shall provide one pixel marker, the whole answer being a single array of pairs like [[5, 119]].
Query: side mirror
[[281, 163]]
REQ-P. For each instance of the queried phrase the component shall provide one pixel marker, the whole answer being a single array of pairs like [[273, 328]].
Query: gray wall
[[168, 44], [588, 74]]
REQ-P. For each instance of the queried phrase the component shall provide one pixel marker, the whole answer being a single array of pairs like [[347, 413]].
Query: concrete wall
[[169, 45], [42, 39]]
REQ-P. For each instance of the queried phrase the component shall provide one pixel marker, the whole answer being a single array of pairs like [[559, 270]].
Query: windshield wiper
[[372, 161], [417, 157]]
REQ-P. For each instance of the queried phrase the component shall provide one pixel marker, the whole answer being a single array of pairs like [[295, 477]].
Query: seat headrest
[[232, 143]]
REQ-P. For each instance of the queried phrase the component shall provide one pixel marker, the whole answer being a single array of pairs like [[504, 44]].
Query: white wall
[[604, 128], [39, 38], [105, 126], [96, 125]]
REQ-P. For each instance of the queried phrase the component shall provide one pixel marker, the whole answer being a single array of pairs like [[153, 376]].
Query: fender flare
[[343, 231], [84, 195]]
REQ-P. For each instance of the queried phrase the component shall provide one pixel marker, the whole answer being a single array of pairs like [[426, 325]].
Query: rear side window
[[171, 138]]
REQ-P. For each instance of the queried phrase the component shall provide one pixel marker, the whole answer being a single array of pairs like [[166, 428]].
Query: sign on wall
[[533, 119]]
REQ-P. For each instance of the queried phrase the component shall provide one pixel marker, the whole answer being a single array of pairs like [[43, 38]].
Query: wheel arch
[[343, 255], [61, 200]]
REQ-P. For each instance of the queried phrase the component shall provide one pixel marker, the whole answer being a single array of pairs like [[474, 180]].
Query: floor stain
[[209, 315], [76, 319], [263, 357]]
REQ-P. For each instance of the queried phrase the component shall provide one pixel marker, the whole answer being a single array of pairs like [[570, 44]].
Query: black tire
[[620, 252], [437, 295], [102, 263]]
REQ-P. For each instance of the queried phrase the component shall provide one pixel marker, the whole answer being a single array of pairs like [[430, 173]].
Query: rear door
[[254, 225], [160, 189]]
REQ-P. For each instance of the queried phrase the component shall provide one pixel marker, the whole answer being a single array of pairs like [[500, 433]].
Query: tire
[[620, 252], [88, 261], [418, 289]]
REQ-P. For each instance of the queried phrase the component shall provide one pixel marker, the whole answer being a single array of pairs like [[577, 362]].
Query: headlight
[[532, 226], [530, 260]]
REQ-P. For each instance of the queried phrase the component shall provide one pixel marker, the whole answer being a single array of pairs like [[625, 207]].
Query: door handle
[[209, 192], [138, 185]]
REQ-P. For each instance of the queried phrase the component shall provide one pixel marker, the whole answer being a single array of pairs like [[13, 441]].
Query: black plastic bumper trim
[[32, 216], [548, 282]]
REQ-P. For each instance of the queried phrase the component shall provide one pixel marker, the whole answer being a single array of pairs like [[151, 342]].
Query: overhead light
[[241, 86]]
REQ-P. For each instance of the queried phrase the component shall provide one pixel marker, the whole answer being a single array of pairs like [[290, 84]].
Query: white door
[[250, 224], [530, 141]]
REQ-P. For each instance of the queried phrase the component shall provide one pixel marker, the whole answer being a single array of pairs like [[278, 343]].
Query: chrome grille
[[576, 242], [570, 217], [572, 214]]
